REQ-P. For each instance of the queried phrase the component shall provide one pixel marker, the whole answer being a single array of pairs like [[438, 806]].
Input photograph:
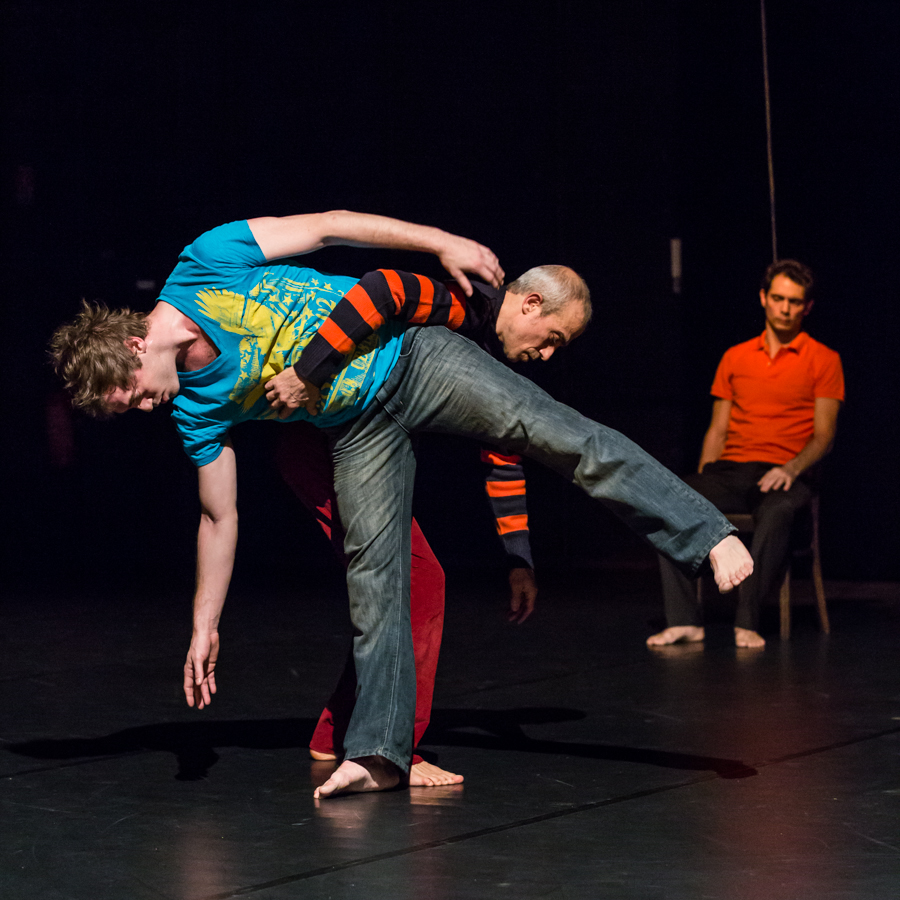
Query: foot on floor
[[743, 637], [424, 774], [357, 776], [677, 634]]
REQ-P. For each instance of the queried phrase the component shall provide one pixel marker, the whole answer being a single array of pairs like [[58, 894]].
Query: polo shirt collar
[[796, 345]]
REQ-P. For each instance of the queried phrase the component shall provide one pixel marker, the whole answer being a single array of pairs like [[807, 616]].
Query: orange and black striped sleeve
[[505, 485], [375, 298]]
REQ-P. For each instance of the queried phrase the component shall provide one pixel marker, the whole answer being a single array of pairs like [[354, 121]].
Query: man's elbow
[[330, 226], [222, 518]]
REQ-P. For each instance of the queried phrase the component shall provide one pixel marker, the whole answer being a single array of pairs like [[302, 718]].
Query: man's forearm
[[816, 449], [377, 297], [713, 445], [216, 543], [365, 230], [296, 235]]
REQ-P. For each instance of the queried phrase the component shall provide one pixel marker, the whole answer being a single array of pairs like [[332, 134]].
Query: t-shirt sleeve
[[721, 386], [227, 247], [202, 439], [830, 377]]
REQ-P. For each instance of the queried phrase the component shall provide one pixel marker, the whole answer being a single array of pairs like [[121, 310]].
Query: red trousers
[[305, 464]]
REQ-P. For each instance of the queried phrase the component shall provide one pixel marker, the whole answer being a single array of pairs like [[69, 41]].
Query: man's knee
[[778, 509], [703, 484]]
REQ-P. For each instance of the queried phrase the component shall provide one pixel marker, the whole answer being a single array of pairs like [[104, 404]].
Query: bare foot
[[357, 776], [743, 637], [731, 563], [424, 774], [686, 634], [320, 756]]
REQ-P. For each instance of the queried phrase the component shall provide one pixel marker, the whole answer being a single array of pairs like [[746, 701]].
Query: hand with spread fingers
[[777, 478], [461, 255]]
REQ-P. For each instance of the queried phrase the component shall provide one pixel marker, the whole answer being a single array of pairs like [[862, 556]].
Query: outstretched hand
[[287, 392], [200, 669], [461, 255], [522, 594]]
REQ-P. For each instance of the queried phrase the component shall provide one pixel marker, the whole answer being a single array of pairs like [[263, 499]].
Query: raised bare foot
[[357, 776], [744, 637], [677, 634], [424, 774], [320, 756], [731, 563]]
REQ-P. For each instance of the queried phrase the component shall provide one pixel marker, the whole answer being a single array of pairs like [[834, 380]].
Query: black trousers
[[731, 487]]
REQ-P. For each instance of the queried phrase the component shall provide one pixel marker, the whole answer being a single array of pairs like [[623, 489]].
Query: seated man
[[229, 321], [774, 416]]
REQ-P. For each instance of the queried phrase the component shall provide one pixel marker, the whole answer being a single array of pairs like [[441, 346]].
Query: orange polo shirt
[[773, 400]]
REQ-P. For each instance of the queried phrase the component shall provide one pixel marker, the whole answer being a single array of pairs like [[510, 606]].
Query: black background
[[583, 133]]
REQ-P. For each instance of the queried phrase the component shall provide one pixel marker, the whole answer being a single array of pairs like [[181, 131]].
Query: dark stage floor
[[594, 768]]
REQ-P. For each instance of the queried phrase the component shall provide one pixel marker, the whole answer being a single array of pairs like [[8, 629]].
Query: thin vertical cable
[[765, 52]]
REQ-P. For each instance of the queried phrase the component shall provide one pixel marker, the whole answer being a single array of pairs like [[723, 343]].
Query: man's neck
[[778, 340], [173, 333]]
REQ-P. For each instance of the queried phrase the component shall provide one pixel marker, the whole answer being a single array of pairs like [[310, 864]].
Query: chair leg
[[817, 570], [784, 599], [820, 591]]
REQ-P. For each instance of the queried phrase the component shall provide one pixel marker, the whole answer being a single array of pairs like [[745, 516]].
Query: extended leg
[[444, 383], [451, 386]]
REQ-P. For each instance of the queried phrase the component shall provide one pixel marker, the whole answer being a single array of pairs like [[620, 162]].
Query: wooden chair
[[744, 524]]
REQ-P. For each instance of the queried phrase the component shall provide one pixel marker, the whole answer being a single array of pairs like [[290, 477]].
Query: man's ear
[[531, 302], [137, 345], [807, 308], [762, 297]]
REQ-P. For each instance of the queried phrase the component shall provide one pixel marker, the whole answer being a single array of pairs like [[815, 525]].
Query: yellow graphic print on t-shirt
[[276, 320]]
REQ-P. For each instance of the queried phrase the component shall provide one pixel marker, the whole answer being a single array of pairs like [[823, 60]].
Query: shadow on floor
[[194, 743], [502, 730]]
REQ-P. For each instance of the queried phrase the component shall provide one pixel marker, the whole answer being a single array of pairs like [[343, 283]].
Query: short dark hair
[[790, 268]]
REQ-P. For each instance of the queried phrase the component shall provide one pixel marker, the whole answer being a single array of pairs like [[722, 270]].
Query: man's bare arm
[[216, 542], [716, 434], [821, 442], [296, 235]]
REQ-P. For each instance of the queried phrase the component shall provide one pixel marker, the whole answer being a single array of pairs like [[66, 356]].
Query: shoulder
[[231, 244], [818, 350], [743, 348], [733, 355]]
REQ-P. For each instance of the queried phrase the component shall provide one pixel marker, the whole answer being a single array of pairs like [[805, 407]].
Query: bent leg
[[773, 517], [426, 611]]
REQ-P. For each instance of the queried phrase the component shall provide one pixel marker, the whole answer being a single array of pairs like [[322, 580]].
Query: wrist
[[205, 621]]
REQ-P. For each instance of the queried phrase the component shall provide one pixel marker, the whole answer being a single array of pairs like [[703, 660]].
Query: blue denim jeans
[[444, 383]]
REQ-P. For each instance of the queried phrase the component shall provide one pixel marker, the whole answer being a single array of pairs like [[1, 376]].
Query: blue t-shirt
[[260, 315]]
